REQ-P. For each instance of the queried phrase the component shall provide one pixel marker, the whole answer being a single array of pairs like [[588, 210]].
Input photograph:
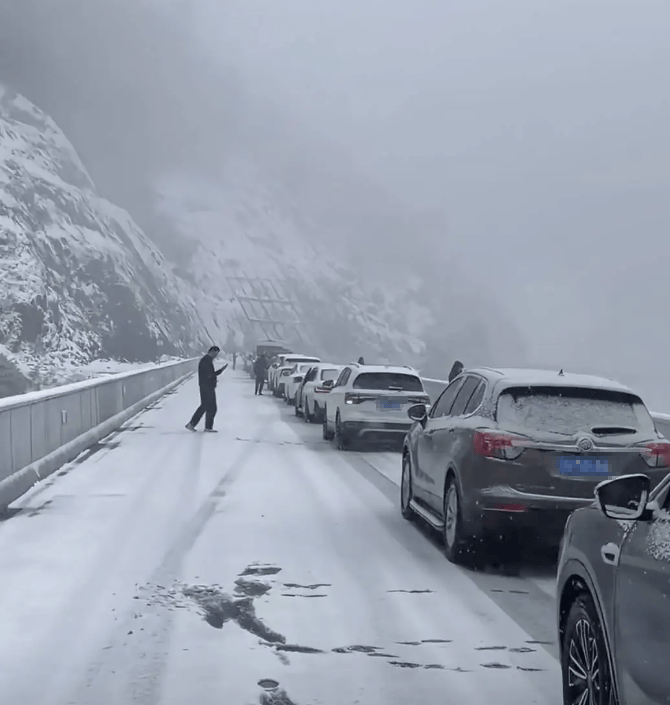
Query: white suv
[[369, 401]]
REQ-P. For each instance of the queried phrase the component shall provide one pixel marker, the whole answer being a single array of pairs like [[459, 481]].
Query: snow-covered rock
[[78, 278]]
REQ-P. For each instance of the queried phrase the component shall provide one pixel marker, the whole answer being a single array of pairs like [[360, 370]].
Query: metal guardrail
[[41, 431], [435, 387]]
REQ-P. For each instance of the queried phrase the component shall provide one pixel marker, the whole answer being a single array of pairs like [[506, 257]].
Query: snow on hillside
[[244, 228], [78, 278]]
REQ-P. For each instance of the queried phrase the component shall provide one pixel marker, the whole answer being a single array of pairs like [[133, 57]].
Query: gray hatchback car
[[614, 596], [509, 450]]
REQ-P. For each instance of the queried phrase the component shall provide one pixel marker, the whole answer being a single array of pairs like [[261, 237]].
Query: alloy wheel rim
[[451, 516], [584, 670]]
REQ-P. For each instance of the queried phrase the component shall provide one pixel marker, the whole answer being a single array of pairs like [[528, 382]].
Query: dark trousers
[[207, 407], [260, 383]]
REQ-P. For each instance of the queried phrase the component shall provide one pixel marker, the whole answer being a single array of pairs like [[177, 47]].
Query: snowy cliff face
[[78, 278]]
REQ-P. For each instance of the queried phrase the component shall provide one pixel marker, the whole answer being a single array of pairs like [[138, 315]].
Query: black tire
[[406, 488], [583, 623], [342, 441], [458, 547], [325, 431]]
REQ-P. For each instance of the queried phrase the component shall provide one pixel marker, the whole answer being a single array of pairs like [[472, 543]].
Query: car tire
[[583, 623], [325, 431], [341, 439], [406, 488], [457, 545]]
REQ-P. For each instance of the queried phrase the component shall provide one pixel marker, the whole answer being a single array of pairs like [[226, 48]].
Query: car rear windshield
[[330, 374], [569, 410], [388, 380]]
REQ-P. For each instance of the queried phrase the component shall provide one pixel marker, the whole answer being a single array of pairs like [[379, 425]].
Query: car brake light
[[322, 389], [350, 398], [495, 444], [656, 454]]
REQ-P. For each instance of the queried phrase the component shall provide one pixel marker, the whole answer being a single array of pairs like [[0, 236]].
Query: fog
[[527, 140], [538, 129]]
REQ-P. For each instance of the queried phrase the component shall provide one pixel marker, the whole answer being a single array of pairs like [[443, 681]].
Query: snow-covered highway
[[255, 565]]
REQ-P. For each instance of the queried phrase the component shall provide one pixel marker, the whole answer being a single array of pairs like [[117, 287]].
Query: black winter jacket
[[207, 375]]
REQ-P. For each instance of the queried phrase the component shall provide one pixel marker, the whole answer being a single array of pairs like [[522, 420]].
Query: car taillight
[[322, 390], [419, 399], [495, 444], [503, 507], [350, 398], [656, 454]]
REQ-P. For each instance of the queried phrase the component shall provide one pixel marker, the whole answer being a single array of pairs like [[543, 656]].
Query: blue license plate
[[386, 404], [581, 466]]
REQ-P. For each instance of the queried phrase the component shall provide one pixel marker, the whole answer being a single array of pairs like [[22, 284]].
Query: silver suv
[[370, 401]]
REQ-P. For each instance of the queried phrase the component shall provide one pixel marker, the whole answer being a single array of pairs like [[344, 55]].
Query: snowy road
[[256, 565]]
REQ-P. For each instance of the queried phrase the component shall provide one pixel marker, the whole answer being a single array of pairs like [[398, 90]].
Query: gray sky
[[540, 129]]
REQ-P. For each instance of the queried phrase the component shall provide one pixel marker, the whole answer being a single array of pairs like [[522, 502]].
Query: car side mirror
[[624, 497], [328, 383], [418, 412]]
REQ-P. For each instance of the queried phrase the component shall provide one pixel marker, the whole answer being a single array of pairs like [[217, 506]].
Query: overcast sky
[[539, 128]]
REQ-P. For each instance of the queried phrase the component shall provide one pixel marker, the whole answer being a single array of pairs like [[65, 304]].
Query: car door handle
[[610, 554], [429, 433]]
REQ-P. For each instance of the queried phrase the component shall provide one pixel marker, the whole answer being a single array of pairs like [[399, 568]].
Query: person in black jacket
[[207, 379], [260, 370]]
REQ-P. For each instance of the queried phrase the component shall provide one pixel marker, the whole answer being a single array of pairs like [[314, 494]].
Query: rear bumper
[[507, 510], [384, 429]]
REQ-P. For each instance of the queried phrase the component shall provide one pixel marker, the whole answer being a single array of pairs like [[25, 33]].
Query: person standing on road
[[207, 379], [260, 370]]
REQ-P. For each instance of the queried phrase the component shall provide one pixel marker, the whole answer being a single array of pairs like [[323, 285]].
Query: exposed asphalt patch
[[490, 648], [297, 649], [412, 592], [260, 570], [218, 608], [404, 664], [96, 448], [357, 649], [295, 594], [36, 511], [251, 588], [436, 641], [495, 665], [523, 650], [275, 697], [316, 586], [531, 670], [540, 643]]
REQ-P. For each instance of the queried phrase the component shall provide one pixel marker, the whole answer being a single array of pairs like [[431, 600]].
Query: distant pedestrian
[[207, 380], [234, 359], [260, 370]]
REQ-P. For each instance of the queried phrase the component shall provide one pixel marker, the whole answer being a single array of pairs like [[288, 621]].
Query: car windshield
[[571, 410], [388, 380], [330, 374]]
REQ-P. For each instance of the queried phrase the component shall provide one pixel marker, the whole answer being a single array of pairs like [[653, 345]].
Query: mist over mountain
[[144, 105]]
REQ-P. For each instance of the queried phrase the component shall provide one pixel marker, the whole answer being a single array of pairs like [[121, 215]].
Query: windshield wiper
[[612, 430]]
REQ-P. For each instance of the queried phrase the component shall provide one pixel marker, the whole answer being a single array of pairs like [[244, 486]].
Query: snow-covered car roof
[[394, 369], [518, 377]]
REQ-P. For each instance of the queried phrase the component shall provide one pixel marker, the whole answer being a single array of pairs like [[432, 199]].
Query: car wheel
[[341, 439], [406, 488], [585, 662], [456, 544], [325, 431]]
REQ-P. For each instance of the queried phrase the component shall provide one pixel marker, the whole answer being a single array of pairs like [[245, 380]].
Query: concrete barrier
[[435, 387], [41, 431]]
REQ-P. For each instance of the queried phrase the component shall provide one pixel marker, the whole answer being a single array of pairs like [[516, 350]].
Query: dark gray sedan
[[614, 596]]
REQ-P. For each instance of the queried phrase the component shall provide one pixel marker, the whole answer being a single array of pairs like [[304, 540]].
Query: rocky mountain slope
[[227, 257], [78, 278]]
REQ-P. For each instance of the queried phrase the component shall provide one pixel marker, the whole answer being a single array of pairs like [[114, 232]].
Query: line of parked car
[[574, 461]]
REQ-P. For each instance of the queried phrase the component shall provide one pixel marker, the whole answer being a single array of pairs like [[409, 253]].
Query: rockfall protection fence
[[41, 431]]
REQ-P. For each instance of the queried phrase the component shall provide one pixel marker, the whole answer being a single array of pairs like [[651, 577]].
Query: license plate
[[391, 403], [580, 466]]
